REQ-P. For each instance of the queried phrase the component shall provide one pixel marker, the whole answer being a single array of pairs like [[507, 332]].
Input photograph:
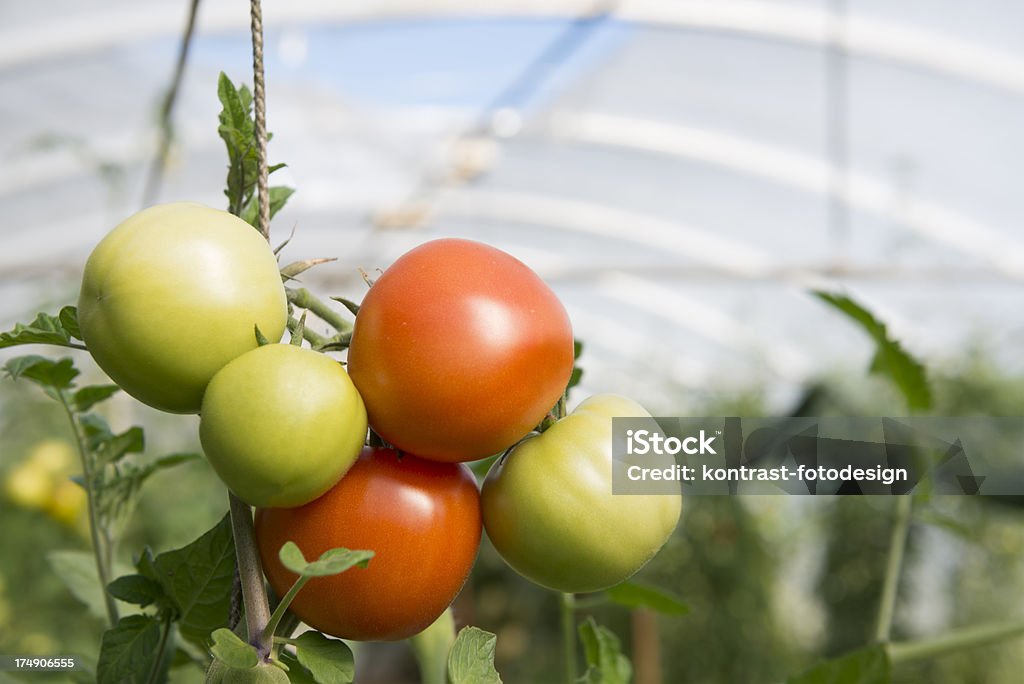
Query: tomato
[[459, 350], [171, 295], [281, 425], [422, 520], [548, 505]]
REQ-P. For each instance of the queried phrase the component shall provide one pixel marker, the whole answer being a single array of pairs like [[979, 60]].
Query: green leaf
[[198, 579], [87, 397], [137, 589], [331, 562], [53, 376], [261, 339], [603, 652], [279, 195], [634, 595], [45, 329], [229, 648], [890, 360], [577, 372], [68, 318], [128, 650], [112, 448], [300, 329], [471, 658], [77, 569], [330, 661], [297, 674], [866, 666]]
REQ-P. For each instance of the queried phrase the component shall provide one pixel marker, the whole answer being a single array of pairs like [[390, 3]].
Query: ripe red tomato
[[422, 520], [459, 350]]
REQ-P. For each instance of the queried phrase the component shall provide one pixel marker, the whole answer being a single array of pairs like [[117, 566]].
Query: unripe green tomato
[[171, 295], [264, 673], [549, 510], [281, 425]]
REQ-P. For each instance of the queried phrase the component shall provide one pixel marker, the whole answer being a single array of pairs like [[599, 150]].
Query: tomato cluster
[[458, 352]]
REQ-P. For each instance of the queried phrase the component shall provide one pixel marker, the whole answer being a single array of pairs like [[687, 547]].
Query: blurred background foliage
[[773, 583]]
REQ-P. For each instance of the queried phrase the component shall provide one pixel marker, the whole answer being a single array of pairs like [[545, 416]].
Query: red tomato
[[422, 520], [459, 350]]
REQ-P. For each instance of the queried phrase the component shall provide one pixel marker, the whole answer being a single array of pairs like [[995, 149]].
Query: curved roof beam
[[924, 216], [100, 28]]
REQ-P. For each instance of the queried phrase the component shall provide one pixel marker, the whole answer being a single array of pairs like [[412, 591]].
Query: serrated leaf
[[198, 579], [87, 397], [471, 658], [47, 373], [866, 666], [137, 590], [577, 372], [229, 648], [890, 360], [330, 661], [603, 652], [348, 304], [68, 317], [634, 595], [331, 562], [111, 448], [296, 267], [279, 195], [45, 329], [128, 651]]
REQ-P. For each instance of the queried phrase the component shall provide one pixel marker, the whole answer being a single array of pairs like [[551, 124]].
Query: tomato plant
[[421, 519], [548, 505], [171, 295], [281, 424], [459, 350]]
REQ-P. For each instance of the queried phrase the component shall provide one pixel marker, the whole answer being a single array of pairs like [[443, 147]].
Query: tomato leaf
[[128, 651], [87, 397], [52, 376], [330, 661], [299, 331], [890, 360], [45, 329], [198, 579], [577, 372], [603, 652], [279, 195], [634, 595], [471, 658], [229, 648], [77, 569], [866, 666], [261, 339], [331, 562], [137, 589]]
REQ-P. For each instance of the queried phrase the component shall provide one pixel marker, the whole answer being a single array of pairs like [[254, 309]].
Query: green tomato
[[281, 425], [171, 295], [549, 510]]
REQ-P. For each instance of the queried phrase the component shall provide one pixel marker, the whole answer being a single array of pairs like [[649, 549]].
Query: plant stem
[[897, 545], [101, 545], [431, 647], [154, 671], [275, 619], [254, 596], [568, 606], [954, 640], [304, 299], [311, 336]]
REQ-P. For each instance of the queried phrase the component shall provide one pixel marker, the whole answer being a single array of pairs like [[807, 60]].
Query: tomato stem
[[268, 632], [897, 545], [568, 613], [954, 640], [304, 299], [254, 595]]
